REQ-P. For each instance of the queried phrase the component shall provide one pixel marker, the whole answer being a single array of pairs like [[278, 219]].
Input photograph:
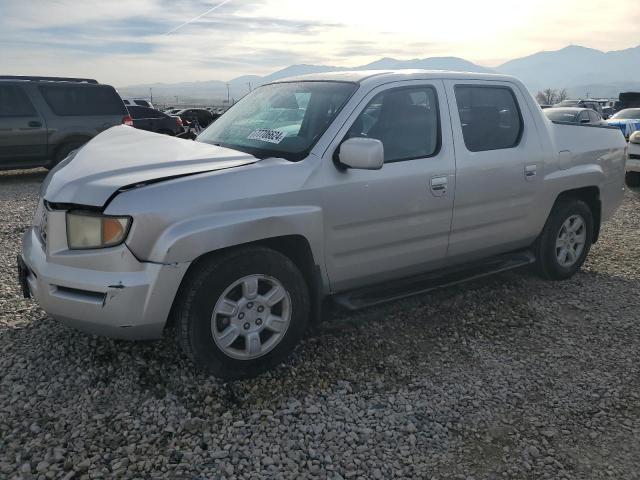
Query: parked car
[[391, 184], [200, 115], [155, 121], [140, 102], [585, 116], [587, 103], [43, 119], [172, 111], [607, 112], [567, 103], [627, 120], [633, 163], [592, 104]]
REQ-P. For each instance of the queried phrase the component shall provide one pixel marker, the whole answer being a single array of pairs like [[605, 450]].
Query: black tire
[[62, 152], [547, 262], [632, 179], [206, 283]]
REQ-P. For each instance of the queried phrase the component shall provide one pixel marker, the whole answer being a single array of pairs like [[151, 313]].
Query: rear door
[[83, 109], [23, 132], [499, 164], [392, 222]]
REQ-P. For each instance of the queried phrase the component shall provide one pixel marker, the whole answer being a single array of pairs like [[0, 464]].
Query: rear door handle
[[439, 186], [34, 124], [530, 170]]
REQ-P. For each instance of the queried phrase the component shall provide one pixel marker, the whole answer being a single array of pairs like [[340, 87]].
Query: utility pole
[[151, 95], [228, 95], [249, 84]]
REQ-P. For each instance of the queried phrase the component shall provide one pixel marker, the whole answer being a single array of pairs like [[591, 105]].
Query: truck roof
[[384, 76]]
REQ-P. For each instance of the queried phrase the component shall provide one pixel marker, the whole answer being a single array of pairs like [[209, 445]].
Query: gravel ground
[[508, 377]]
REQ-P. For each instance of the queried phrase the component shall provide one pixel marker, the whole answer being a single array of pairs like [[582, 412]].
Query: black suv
[[154, 120], [42, 119]]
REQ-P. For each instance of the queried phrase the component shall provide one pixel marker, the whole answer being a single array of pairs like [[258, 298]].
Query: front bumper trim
[[131, 300]]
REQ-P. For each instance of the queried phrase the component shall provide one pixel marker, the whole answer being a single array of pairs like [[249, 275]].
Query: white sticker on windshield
[[267, 135]]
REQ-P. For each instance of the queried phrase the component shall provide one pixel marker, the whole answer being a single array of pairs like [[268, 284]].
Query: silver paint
[[362, 226]]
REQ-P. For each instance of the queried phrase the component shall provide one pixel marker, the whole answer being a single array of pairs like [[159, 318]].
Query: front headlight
[[90, 230], [635, 137]]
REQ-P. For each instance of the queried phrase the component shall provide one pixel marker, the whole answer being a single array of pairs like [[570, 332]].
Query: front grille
[[43, 226]]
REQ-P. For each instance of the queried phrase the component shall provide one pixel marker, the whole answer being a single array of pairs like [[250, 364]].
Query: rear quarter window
[[490, 117], [85, 100], [14, 102]]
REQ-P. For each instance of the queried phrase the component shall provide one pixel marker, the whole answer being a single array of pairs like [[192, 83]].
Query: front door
[[498, 168], [395, 221], [23, 133]]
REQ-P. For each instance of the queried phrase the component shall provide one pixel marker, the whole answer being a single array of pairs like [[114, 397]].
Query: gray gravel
[[508, 377]]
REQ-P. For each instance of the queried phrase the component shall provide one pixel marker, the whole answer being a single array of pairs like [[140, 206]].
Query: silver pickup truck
[[359, 187]]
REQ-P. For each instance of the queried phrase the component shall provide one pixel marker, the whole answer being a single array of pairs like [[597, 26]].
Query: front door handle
[[35, 124], [439, 186]]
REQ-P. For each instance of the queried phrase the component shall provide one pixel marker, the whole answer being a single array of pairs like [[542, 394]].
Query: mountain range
[[579, 69]]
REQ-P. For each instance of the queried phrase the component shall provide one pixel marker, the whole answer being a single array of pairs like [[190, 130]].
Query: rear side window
[[14, 102], [490, 117], [405, 120], [594, 116], [69, 100]]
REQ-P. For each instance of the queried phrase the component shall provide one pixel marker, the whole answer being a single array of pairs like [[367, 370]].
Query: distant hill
[[576, 66], [578, 69]]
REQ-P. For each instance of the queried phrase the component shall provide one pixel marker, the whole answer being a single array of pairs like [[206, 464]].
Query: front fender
[[187, 240]]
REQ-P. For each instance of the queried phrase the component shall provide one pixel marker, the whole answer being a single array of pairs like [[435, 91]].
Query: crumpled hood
[[124, 156]]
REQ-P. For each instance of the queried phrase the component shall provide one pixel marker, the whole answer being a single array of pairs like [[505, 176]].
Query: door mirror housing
[[362, 153]]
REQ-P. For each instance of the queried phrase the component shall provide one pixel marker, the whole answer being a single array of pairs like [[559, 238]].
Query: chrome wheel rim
[[251, 317], [571, 240]]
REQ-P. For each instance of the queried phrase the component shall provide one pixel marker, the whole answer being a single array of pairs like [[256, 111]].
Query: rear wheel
[[566, 239], [242, 313]]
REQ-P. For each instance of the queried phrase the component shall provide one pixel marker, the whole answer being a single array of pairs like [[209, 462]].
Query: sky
[[143, 41]]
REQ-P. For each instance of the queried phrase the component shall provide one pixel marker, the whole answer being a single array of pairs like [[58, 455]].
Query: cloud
[[125, 43], [194, 19]]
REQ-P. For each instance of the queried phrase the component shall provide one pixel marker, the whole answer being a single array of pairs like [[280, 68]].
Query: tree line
[[549, 96]]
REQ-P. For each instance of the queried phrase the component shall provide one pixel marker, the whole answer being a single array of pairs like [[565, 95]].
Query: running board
[[407, 287]]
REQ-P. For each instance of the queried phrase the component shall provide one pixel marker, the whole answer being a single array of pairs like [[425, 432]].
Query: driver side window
[[405, 120]]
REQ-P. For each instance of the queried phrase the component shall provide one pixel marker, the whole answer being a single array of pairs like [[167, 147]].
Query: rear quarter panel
[[586, 156]]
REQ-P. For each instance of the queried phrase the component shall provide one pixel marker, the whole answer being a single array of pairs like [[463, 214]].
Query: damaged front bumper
[[104, 292]]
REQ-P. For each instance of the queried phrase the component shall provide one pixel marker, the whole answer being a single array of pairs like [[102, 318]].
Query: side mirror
[[362, 153]]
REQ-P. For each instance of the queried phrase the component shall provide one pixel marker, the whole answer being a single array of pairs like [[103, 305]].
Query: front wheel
[[565, 240], [242, 313]]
